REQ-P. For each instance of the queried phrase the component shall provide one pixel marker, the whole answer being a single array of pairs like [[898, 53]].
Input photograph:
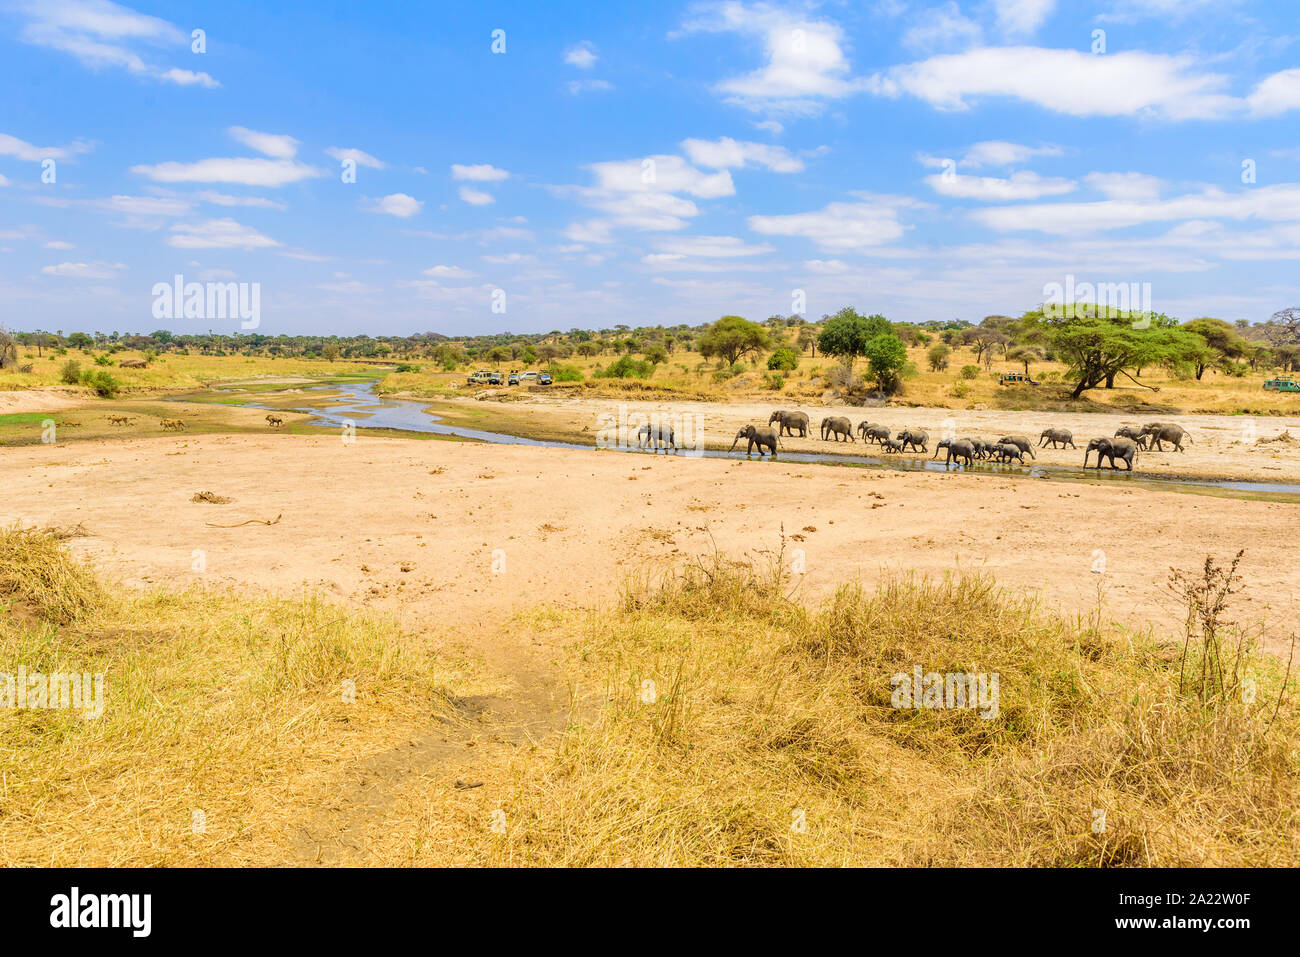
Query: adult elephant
[[1020, 442], [655, 434], [1158, 432], [837, 425], [916, 438], [1057, 438], [876, 433], [791, 422], [762, 437], [957, 449], [1114, 448]]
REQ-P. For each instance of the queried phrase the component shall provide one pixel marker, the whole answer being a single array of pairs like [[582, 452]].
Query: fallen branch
[[251, 521]]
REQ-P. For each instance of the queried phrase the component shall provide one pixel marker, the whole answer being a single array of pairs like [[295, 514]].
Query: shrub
[[783, 360], [102, 383], [70, 374], [938, 357], [774, 381], [406, 367], [103, 360], [625, 367], [564, 373], [970, 372]]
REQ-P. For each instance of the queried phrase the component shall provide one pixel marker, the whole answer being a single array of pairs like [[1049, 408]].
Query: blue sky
[[644, 163]]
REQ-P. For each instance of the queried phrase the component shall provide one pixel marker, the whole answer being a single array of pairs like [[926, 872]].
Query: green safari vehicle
[[1282, 384]]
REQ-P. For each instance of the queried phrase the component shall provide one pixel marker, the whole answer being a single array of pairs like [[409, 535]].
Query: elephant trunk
[[733, 444]]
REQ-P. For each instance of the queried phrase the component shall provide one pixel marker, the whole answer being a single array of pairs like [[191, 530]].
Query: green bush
[[625, 367], [70, 374], [563, 373], [103, 384], [970, 372], [783, 360], [774, 381], [103, 360], [406, 367]]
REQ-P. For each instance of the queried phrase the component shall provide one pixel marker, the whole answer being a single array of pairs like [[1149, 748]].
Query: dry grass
[[716, 720], [212, 703], [761, 717]]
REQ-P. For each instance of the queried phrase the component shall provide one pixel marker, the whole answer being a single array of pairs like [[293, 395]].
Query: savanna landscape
[[640, 655], [441, 442]]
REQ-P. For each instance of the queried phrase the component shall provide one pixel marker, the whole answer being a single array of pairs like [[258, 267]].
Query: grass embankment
[[717, 721], [212, 703]]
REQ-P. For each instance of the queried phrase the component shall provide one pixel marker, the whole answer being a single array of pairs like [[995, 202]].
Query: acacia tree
[[886, 358], [732, 337], [1098, 348]]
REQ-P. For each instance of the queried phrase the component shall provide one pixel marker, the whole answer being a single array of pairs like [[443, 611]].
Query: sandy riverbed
[[417, 525]]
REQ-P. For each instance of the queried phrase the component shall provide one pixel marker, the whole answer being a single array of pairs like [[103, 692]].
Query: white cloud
[[1276, 94], [58, 244], [218, 234], [224, 199], [1066, 81], [1022, 185], [397, 204], [100, 34], [482, 173], [95, 270], [359, 157], [4, 180], [447, 272], [1003, 153], [661, 173], [806, 64], [1137, 186], [582, 56], [475, 197], [275, 145], [22, 150], [1022, 18], [719, 247], [1267, 203], [942, 28], [841, 226], [244, 170], [727, 153]]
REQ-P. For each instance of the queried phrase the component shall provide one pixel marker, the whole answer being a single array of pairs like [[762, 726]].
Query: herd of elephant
[[1123, 446]]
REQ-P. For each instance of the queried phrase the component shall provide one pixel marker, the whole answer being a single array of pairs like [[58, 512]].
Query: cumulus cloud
[[244, 170], [726, 153], [840, 226], [22, 150], [476, 197], [1023, 185], [582, 56], [275, 145], [397, 204], [360, 157]]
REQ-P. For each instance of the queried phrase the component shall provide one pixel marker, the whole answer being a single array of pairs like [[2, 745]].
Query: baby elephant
[[837, 425], [274, 421], [762, 437], [1057, 438], [1113, 448], [1020, 442], [875, 433], [1006, 451], [1134, 433], [1159, 432], [891, 445]]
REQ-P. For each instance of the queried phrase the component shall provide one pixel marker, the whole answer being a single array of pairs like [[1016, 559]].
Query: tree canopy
[[732, 337], [846, 334]]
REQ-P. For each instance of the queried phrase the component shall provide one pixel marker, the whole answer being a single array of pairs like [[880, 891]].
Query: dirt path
[[457, 537]]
